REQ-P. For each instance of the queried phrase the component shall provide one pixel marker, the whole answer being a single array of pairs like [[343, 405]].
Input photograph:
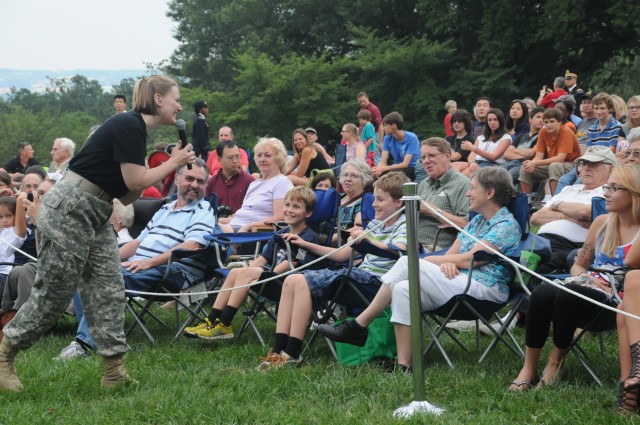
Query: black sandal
[[628, 395], [522, 386]]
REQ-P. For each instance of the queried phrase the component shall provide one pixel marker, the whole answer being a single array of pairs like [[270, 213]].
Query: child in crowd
[[298, 206], [13, 231], [301, 289], [368, 136]]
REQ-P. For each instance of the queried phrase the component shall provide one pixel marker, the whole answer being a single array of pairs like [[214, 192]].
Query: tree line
[[267, 67]]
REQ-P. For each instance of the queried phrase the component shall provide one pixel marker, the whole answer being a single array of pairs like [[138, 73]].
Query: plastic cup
[[530, 260]]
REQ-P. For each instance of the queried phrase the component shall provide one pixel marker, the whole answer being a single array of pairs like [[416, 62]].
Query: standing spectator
[[548, 97], [369, 138], [230, 183], [200, 130], [450, 106], [401, 145], [571, 79], [376, 117], [213, 162], [61, 154], [120, 103], [24, 160], [480, 111], [633, 121], [461, 125]]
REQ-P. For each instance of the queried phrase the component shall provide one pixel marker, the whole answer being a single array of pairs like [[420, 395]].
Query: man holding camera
[[230, 183]]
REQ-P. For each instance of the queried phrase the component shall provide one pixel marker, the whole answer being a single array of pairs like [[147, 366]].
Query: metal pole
[[411, 203], [419, 405]]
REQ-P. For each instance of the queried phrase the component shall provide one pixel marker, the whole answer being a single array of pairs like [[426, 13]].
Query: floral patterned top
[[503, 232]]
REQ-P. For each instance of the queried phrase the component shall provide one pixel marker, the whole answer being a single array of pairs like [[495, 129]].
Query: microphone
[[182, 135]]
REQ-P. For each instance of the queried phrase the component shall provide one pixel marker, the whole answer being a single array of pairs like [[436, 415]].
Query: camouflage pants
[[76, 249]]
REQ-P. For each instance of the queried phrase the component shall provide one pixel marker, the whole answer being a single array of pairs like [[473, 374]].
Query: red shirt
[[447, 126], [376, 118], [214, 163], [549, 101], [230, 192]]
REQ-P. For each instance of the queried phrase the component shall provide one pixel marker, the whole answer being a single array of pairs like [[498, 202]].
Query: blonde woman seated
[[306, 158], [264, 199], [444, 276], [608, 243]]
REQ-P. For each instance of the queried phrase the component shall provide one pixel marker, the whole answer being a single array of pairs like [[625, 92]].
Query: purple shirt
[[258, 202]]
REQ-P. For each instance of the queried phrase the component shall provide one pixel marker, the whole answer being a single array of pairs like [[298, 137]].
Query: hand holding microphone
[[182, 135]]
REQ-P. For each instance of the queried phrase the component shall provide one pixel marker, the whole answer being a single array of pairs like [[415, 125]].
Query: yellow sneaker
[[217, 331], [192, 330]]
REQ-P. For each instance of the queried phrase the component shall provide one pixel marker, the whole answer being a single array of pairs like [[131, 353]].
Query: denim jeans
[[139, 281]]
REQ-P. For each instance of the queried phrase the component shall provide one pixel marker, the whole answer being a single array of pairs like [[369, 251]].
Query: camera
[[30, 196], [224, 211]]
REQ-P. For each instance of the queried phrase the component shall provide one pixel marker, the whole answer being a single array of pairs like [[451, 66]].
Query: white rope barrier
[[526, 270], [280, 276]]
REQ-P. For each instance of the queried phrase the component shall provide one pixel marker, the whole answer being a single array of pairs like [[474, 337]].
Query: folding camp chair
[[465, 307], [141, 307], [323, 222], [615, 275]]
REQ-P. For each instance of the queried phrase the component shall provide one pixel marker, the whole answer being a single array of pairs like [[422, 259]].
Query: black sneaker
[[348, 332]]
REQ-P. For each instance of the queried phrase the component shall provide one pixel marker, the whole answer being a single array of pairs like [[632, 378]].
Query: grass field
[[195, 382]]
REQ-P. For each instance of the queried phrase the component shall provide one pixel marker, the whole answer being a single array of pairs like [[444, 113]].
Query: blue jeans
[[140, 281]]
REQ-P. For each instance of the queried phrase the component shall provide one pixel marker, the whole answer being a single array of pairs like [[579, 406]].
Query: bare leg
[[550, 373], [285, 308], [298, 181], [529, 369], [223, 297], [525, 187], [631, 326], [245, 277], [403, 341], [623, 344], [301, 308], [379, 303], [553, 184]]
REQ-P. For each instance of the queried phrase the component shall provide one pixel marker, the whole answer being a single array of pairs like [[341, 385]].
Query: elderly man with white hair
[[61, 153]]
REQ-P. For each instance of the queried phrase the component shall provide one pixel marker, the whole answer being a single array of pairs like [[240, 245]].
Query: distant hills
[[36, 81]]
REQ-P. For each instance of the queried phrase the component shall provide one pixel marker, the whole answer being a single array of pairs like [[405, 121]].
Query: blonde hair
[[304, 194], [628, 176], [278, 148], [630, 121], [145, 90], [619, 107]]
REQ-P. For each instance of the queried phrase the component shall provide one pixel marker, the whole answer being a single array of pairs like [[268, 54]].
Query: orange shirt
[[566, 142], [214, 163]]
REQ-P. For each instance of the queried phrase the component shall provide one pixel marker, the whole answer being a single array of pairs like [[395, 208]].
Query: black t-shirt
[[456, 145], [14, 165], [122, 138]]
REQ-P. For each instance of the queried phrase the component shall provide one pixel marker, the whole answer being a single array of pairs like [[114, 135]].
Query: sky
[[84, 34]]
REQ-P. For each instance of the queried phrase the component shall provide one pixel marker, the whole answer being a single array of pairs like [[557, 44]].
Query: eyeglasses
[[191, 179], [634, 153], [612, 189], [351, 176], [431, 157], [634, 107], [583, 163]]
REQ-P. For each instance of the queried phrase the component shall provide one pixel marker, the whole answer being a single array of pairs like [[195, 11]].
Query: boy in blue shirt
[[299, 203], [401, 145]]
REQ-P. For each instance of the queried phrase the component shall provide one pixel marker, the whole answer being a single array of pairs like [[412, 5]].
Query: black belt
[[84, 184]]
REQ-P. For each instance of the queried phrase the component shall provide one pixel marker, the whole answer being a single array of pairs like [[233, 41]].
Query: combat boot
[[9, 381], [114, 372]]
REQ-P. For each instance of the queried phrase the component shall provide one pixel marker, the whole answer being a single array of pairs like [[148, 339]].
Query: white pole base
[[417, 407]]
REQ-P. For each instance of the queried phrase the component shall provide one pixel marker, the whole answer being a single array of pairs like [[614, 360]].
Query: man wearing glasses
[[444, 191], [566, 218], [230, 183]]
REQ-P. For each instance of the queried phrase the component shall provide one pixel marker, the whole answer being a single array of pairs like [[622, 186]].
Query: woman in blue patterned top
[[444, 276]]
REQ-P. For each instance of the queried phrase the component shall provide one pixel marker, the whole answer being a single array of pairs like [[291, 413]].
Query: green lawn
[[194, 382]]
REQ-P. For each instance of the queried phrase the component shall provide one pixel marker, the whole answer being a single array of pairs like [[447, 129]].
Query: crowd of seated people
[[475, 168]]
